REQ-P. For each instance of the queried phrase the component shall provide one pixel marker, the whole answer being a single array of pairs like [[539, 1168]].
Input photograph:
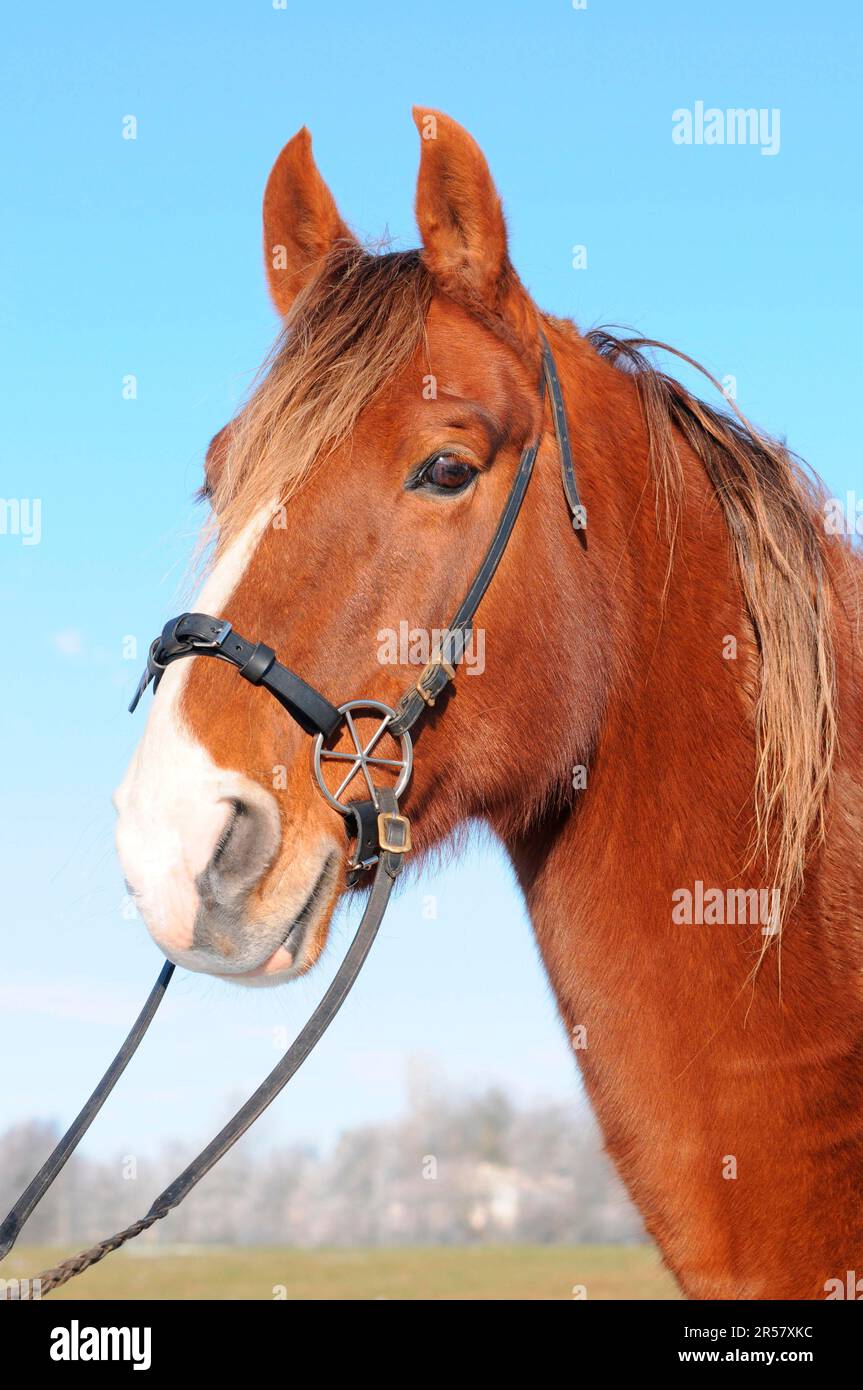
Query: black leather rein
[[381, 832]]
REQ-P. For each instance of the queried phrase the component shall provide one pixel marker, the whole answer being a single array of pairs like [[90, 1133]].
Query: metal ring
[[363, 759]]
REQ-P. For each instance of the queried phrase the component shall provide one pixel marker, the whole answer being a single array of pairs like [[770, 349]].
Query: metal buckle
[[429, 669], [357, 868], [201, 643], [368, 863], [389, 821]]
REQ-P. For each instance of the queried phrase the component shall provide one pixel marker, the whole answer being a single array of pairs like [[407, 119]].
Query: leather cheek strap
[[440, 671], [564, 448]]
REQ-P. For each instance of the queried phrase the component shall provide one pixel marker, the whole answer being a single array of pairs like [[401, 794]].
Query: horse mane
[[349, 332], [773, 511]]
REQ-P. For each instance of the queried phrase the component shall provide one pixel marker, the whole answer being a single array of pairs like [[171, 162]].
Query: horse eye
[[448, 472]]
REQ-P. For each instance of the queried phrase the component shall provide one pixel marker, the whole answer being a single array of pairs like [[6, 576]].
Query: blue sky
[[143, 257]]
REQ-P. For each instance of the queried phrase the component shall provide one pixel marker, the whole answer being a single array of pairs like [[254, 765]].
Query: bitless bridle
[[381, 832]]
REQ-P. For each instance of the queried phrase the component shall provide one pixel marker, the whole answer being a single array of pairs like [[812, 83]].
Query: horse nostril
[[244, 850], [238, 810]]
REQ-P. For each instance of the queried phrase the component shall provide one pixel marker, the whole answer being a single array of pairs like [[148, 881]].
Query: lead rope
[[388, 869], [60, 1274], [32, 1195]]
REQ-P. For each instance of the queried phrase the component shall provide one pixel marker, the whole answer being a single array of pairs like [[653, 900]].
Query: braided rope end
[[30, 1290]]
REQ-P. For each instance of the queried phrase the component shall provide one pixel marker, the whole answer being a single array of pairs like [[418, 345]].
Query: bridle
[[381, 833]]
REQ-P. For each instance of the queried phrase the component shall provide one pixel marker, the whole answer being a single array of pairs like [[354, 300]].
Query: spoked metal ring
[[359, 762]]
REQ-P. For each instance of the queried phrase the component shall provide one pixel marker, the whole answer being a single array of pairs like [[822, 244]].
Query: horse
[[665, 736]]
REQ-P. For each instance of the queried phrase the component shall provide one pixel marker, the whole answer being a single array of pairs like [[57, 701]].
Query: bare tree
[[472, 1169]]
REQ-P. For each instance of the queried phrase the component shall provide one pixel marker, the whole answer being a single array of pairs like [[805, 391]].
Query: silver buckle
[[198, 643]]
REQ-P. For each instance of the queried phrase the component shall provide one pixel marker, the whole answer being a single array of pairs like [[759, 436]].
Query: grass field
[[498, 1272]]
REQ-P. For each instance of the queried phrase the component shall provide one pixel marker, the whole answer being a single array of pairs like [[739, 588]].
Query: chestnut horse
[[665, 735]]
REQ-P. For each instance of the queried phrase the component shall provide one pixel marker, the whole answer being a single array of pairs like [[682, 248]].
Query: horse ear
[[301, 221], [460, 216]]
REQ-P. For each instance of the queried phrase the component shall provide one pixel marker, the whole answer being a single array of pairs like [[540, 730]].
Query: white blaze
[[174, 801]]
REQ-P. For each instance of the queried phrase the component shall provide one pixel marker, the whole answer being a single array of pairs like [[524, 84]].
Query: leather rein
[[381, 833]]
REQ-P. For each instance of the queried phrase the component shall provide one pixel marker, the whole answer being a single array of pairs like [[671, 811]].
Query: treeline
[[451, 1171]]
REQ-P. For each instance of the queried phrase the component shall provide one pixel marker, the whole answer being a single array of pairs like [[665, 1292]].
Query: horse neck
[[706, 1081]]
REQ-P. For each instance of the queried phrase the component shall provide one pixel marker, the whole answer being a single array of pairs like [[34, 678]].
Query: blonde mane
[[773, 510], [350, 331]]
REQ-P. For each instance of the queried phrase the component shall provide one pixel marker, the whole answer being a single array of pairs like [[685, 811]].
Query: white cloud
[[69, 642]]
